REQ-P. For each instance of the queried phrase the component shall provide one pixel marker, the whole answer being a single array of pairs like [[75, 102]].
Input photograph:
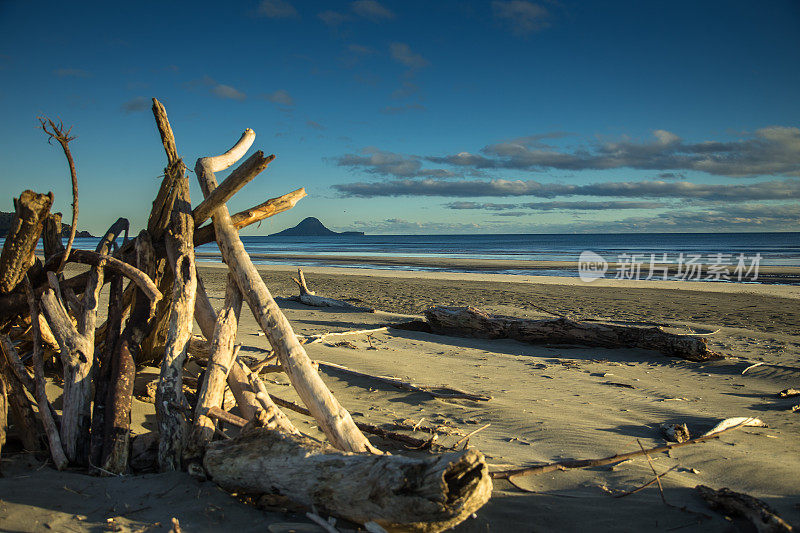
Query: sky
[[419, 117]]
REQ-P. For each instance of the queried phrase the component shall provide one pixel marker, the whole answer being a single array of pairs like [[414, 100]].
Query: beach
[[548, 403]]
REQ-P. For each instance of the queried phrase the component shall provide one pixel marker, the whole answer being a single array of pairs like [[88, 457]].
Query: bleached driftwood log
[[472, 322], [240, 177], [17, 256], [333, 419], [242, 219], [219, 364], [399, 493], [309, 297], [170, 415]]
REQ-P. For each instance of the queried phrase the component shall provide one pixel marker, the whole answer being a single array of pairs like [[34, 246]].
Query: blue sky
[[421, 117]]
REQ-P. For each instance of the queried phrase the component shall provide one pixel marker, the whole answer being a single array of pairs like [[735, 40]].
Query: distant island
[[6, 219], [312, 227]]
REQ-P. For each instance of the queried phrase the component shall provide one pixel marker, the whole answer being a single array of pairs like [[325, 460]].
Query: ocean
[[772, 249]]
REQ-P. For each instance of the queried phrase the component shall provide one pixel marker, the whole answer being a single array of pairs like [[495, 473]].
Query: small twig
[[750, 367], [653, 468], [59, 134], [468, 435], [651, 482]]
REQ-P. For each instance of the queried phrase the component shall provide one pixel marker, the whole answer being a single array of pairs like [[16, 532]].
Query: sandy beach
[[548, 403]]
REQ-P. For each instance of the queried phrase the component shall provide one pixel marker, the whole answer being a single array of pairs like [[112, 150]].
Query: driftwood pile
[[49, 323]]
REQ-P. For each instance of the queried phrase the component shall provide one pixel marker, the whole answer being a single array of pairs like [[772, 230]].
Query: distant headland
[[6, 219], [312, 227]]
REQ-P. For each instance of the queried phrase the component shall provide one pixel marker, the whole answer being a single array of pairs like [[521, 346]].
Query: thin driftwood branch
[[63, 137], [242, 219], [244, 174], [334, 419]]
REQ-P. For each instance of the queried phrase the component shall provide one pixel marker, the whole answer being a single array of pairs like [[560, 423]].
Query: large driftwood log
[[761, 515], [219, 364], [333, 419], [3, 414], [180, 250], [472, 322], [399, 493], [17, 256], [242, 219]]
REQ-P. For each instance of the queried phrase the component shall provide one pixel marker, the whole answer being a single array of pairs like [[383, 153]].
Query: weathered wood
[[309, 297], [242, 219], [180, 250], [251, 406], [51, 235], [333, 419], [281, 421], [472, 322], [761, 515], [87, 257], [31, 209], [241, 176], [219, 363], [20, 407], [3, 414], [103, 364], [116, 431], [399, 493], [45, 410], [62, 136], [77, 354]]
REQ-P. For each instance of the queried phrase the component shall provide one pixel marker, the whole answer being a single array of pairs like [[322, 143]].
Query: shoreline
[[784, 280]]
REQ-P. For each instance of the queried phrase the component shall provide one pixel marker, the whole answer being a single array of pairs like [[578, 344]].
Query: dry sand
[[548, 403]]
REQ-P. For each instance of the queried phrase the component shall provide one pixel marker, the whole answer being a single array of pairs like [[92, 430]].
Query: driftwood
[[17, 256], [240, 177], [3, 414], [180, 249], [472, 322], [334, 419], [399, 493], [242, 219], [219, 363], [19, 406], [588, 463], [63, 138], [309, 297], [51, 235], [45, 410], [761, 515]]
